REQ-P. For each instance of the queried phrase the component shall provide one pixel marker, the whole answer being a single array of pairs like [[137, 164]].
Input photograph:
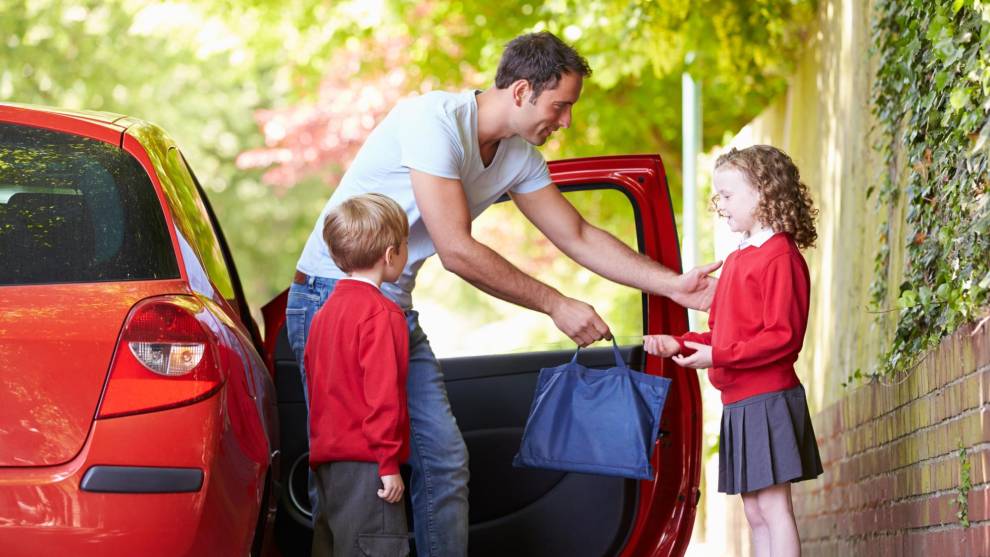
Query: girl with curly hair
[[757, 324]]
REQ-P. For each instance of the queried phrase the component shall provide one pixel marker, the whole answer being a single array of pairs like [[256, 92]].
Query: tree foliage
[[270, 100]]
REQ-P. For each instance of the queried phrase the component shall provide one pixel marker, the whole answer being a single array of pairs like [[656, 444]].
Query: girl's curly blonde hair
[[785, 205]]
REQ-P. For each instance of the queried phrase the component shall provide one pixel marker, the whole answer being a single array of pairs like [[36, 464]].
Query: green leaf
[[959, 98]]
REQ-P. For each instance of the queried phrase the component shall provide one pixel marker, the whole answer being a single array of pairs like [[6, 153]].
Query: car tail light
[[166, 357]]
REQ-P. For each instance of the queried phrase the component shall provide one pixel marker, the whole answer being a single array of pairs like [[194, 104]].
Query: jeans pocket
[[296, 328], [383, 545]]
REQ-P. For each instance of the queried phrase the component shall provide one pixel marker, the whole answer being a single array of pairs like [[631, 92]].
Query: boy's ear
[[389, 254]]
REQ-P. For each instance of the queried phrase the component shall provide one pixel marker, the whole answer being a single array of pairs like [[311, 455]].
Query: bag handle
[[619, 362]]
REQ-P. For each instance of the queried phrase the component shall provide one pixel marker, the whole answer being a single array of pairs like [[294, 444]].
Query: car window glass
[[193, 220], [75, 209], [460, 320]]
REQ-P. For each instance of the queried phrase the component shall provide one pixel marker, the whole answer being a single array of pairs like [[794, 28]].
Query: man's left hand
[[696, 288]]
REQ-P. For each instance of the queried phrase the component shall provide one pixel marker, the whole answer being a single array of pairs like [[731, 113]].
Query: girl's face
[[737, 199]]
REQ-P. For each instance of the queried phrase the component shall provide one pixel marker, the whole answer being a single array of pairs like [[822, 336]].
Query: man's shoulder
[[439, 103]]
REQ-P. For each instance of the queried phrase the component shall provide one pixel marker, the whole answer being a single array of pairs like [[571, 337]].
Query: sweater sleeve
[[784, 292], [691, 336], [700, 338], [383, 345]]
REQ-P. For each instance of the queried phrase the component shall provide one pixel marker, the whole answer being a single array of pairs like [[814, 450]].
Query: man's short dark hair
[[539, 58]]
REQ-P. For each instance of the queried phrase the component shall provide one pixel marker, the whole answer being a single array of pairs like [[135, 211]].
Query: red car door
[[532, 512]]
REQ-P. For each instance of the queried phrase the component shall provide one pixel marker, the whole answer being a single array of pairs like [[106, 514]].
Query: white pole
[[691, 145]]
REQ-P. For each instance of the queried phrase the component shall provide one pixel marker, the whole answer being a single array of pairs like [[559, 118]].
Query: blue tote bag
[[594, 421]]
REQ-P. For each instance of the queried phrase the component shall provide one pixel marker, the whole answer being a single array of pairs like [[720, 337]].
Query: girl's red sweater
[[758, 319]]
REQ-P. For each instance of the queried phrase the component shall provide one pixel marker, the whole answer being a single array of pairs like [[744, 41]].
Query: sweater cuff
[[388, 467], [719, 355], [685, 350]]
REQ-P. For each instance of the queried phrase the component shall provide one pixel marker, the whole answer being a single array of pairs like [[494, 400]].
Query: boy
[[356, 361]]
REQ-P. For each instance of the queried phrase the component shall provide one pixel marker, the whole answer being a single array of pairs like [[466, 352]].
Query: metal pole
[[691, 145]]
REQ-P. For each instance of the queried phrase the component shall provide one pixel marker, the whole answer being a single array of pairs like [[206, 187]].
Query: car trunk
[[56, 346]]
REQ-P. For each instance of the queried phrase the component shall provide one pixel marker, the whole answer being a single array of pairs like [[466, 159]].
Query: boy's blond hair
[[359, 230]]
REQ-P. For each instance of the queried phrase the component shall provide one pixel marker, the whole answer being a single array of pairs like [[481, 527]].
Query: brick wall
[[892, 464]]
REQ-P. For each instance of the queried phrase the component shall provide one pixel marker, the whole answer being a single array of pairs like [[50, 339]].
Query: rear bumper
[[46, 511]]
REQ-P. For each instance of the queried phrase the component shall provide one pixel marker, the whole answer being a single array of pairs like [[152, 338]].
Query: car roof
[[89, 115]]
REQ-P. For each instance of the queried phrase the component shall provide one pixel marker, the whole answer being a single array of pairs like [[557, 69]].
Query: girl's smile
[[737, 200]]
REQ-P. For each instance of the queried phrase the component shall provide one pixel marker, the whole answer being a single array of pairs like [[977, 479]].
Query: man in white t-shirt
[[445, 157]]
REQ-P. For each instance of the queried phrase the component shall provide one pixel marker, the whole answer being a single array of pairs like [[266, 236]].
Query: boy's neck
[[371, 275]]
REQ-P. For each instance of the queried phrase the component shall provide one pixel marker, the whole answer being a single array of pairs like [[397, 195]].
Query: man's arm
[[445, 212], [603, 253]]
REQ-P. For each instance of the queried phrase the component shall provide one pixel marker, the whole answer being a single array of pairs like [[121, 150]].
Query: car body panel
[[53, 516], [95, 125], [57, 343]]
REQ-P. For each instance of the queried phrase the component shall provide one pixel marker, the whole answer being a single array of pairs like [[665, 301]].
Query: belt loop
[[310, 279]]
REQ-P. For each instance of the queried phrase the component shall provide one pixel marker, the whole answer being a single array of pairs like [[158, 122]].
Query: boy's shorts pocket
[[383, 545]]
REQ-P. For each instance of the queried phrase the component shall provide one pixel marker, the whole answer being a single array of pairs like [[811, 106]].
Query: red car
[[530, 512], [138, 416]]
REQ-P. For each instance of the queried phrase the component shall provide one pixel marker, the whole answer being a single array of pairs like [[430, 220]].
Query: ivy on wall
[[931, 98]]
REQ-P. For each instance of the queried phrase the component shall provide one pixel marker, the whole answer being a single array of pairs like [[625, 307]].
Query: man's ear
[[521, 90]]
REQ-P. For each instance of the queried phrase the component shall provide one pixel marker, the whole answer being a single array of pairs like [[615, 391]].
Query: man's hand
[[661, 345], [695, 288], [579, 321], [393, 488], [701, 359]]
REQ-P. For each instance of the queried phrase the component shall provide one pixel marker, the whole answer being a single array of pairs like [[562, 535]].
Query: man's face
[[552, 110]]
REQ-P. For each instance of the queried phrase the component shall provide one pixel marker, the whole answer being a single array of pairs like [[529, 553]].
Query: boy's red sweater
[[357, 359], [758, 319]]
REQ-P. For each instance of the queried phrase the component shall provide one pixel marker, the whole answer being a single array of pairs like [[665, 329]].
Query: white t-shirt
[[435, 133]]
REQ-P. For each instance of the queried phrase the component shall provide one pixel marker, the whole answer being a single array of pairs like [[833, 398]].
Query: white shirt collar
[[362, 279], [758, 239]]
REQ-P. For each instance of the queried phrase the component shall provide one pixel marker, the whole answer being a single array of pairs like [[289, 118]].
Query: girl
[[757, 322]]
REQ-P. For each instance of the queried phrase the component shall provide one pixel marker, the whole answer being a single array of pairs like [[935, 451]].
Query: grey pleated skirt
[[766, 440]]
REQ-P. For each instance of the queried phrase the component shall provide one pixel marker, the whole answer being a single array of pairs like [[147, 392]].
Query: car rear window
[[74, 209]]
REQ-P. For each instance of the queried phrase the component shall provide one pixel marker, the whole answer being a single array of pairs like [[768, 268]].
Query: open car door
[[491, 382]]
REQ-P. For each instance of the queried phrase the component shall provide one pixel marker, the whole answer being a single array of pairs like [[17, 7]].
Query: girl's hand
[[392, 488], [661, 345], [701, 359]]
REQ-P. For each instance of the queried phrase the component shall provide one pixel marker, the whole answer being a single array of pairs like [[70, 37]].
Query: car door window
[[463, 321]]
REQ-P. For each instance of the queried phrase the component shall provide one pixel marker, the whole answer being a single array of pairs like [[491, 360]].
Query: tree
[[269, 101]]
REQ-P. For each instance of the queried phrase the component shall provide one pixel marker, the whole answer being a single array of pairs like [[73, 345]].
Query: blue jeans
[[438, 455]]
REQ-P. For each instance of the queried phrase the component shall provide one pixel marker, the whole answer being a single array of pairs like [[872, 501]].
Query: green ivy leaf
[[959, 98]]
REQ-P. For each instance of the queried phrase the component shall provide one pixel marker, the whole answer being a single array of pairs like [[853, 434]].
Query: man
[[446, 157]]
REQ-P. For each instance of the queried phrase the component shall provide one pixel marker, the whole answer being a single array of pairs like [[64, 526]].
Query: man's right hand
[[579, 321], [696, 288]]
